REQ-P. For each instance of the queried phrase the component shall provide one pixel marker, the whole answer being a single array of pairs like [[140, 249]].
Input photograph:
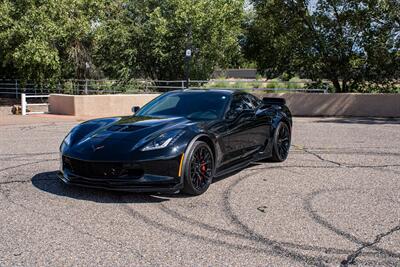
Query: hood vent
[[125, 128]]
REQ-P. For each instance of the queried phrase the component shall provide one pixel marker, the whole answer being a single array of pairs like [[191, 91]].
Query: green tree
[[352, 43], [147, 39], [47, 39]]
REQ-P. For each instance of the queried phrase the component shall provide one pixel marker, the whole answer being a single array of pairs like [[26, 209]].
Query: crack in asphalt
[[25, 164], [352, 257], [272, 249], [325, 167], [248, 233], [307, 205], [214, 229], [168, 229], [276, 246], [22, 181], [14, 182], [338, 164], [18, 155], [344, 151], [19, 159], [243, 236], [321, 158], [37, 126]]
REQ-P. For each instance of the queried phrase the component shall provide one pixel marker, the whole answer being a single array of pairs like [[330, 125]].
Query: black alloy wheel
[[199, 169], [281, 145]]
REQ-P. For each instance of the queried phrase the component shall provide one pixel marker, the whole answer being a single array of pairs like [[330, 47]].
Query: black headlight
[[163, 140]]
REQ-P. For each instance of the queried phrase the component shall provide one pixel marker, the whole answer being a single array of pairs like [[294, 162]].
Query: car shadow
[[50, 183], [215, 180]]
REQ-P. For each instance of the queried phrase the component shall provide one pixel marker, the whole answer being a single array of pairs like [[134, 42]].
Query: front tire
[[281, 143], [199, 169]]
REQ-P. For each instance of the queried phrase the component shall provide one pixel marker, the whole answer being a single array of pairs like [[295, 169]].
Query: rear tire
[[281, 143], [198, 169]]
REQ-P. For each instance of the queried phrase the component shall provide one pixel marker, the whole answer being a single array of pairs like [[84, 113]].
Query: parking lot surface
[[335, 201]]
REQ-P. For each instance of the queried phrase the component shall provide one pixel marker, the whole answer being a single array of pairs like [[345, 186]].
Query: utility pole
[[87, 67], [188, 55]]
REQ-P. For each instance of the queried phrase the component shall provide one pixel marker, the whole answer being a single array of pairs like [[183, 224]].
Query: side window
[[255, 101], [248, 102], [239, 102]]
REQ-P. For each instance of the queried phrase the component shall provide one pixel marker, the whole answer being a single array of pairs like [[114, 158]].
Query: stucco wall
[[301, 104], [97, 105], [62, 104], [357, 105]]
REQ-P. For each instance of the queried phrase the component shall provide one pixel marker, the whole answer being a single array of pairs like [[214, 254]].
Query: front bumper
[[146, 176]]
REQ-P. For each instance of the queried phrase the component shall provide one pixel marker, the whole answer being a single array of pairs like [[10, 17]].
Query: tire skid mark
[[234, 219], [222, 231], [330, 227], [275, 248], [147, 220], [248, 234], [140, 217], [352, 257], [120, 245], [307, 205]]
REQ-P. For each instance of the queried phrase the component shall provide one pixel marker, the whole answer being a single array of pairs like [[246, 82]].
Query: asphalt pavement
[[335, 201]]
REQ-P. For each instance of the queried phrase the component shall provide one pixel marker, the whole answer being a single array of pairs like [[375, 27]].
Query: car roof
[[211, 90]]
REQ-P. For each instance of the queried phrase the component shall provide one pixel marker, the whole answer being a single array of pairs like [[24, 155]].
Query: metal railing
[[258, 85], [14, 88], [25, 104]]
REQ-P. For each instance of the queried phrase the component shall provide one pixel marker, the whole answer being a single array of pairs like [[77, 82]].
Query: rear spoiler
[[274, 101]]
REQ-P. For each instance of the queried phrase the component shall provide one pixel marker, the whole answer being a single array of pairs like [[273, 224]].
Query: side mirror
[[135, 109]]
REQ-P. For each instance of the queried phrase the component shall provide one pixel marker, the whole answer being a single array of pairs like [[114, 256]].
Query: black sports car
[[180, 140]]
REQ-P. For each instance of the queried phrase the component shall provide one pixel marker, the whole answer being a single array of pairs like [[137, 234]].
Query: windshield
[[193, 105]]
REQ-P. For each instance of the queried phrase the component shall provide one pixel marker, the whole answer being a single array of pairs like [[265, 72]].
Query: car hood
[[134, 128], [118, 137]]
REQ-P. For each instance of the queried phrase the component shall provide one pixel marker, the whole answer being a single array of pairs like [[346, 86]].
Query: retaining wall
[[351, 105], [301, 104], [97, 105]]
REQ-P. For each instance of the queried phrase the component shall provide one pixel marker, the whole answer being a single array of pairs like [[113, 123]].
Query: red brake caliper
[[203, 169]]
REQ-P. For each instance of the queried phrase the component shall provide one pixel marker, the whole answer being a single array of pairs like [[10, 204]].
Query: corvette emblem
[[97, 148]]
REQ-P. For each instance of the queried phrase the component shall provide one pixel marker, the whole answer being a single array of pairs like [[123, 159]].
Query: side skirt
[[233, 168], [241, 164]]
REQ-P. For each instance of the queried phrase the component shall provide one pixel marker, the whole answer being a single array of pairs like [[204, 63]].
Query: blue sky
[[312, 5]]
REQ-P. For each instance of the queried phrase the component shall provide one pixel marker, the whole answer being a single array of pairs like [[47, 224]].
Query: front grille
[[100, 169]]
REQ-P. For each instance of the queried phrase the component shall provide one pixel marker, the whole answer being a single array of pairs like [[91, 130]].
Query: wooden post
[[23, 104]]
